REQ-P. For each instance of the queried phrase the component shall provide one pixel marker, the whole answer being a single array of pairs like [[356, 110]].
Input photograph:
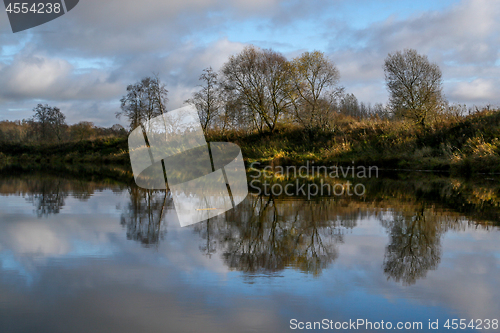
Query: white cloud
[[29, 76], [41, 77], [463, 40], [481, 90]]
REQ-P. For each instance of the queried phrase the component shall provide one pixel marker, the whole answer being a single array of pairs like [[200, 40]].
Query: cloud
[[135, 39], [42, 77], [462, 39], [127, 40], [122, 28], [93, 94], [480, 90]]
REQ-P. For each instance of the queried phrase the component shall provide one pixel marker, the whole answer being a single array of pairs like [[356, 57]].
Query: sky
[[83, 61]]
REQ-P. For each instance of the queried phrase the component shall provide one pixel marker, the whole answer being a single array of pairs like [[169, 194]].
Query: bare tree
[[144, 100], [415, 86], [159, 94], [209, 100], [235, 115], [350, 106], [315, 82], [258, 80], [49, 122]]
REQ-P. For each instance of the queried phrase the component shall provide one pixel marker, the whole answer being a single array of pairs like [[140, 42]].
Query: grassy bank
[[100, 151], [465, 145], [462, 145]]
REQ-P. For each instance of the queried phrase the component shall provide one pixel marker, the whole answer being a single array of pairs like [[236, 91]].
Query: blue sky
[[83, 61]]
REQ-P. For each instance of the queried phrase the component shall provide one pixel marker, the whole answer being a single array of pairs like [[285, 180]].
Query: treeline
[[48, 125], [258, 91], [282, 111]]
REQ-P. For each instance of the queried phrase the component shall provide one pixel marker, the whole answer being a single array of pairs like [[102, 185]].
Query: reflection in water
[[414, 245], [144, 215], [96, 256], [268, 234], [264, 234], [47, 196]]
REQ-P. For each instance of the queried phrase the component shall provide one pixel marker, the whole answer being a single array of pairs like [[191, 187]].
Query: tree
[[208, 101], [49, 122], [144, 100], [258, 80], [14, 131], [118, 130], [315, 81], [350, 106], [414, 84], [82, 130], [380, 111]]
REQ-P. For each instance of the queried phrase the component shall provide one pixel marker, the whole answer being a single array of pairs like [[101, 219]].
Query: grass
[[461, 145], [465, 146], [105, 151]]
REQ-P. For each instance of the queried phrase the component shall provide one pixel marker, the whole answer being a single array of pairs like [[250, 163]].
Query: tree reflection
[[211, 232], [414, 246], [268, 235], [144, 214], [47, 195]]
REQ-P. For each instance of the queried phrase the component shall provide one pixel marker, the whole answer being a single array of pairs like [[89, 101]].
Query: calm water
[[82, 256]]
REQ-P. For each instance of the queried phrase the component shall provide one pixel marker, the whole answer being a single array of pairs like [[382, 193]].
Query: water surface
[[78, 255]]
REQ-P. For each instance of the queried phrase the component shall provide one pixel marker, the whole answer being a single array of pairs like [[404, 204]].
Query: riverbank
[[466, 145], [477, 197]]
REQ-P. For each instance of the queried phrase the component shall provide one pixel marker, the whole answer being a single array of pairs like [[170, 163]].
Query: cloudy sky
[[83, 61]]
